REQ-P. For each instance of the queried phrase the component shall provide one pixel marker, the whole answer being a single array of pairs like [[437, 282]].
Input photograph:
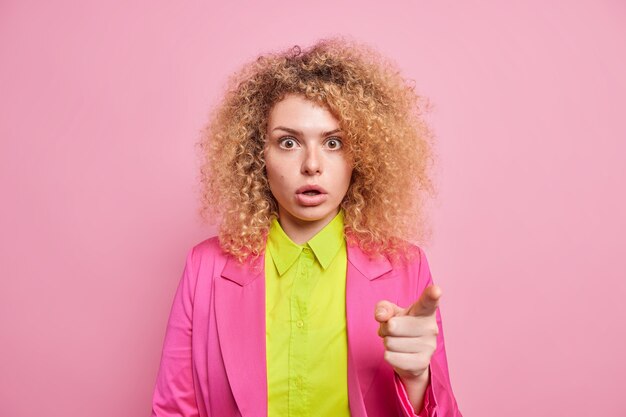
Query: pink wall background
[[102, 103]]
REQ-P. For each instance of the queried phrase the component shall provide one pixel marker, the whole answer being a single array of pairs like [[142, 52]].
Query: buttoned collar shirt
[[306, 339]]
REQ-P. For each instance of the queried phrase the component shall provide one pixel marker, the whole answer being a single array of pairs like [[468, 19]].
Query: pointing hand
[[410, 334]]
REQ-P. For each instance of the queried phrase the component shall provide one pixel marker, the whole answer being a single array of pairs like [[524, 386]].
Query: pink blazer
[[213, 361]]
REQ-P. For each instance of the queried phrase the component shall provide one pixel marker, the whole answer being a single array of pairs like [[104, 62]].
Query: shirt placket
[[298, 358]]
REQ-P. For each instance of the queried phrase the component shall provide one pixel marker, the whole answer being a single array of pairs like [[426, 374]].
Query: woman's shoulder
[[209, 246], [415, 258], [206, 254], [406, 254]]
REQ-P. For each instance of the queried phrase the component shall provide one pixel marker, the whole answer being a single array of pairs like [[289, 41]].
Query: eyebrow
[[297, 132]]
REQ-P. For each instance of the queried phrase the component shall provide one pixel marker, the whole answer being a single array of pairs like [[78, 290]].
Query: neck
[[301, 231]]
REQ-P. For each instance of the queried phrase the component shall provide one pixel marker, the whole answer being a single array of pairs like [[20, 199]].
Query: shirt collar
[[325, 244]]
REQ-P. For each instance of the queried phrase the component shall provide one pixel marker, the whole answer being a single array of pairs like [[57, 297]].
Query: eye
[[334, 143], [287, 143]]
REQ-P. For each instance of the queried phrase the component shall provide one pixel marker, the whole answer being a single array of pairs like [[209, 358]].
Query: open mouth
[[311, 192], [311, 195]]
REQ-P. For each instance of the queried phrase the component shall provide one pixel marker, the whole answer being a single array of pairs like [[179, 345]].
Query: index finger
[[427, 303]]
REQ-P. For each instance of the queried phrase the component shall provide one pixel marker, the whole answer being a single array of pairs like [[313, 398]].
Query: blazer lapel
[[240, 314], [366, 283]]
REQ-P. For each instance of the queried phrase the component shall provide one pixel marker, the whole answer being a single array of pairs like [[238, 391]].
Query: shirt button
[[300, 324]]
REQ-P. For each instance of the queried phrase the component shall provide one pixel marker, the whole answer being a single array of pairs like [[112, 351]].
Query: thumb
[[427, 303], [386, 310]]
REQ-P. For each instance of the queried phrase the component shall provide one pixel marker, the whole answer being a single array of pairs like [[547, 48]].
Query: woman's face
[[308, 168]]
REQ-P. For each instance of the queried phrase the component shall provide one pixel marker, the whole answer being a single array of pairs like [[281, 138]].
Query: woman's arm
[[416, 389], [174, 393], [431, 395]]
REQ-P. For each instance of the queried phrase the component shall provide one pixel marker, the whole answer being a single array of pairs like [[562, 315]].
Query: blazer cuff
[[430, 404]]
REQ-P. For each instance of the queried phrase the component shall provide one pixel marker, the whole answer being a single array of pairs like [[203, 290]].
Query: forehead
[[298, 112]]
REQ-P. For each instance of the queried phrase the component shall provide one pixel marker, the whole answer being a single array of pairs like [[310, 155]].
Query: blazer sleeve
[[174, 393], [439, 399]]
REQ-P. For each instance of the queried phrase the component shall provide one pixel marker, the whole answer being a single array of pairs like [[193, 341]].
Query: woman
[[312, 300]]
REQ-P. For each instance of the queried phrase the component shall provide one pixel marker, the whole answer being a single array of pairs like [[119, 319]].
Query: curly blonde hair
[[388, 140]]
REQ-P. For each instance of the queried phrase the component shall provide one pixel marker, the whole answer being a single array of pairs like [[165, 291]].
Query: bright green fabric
[[305, 318]]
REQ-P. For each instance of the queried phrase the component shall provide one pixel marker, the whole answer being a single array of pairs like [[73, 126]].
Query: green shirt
[[305, 318]]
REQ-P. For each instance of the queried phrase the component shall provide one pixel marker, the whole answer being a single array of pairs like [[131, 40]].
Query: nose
[[312, 163]]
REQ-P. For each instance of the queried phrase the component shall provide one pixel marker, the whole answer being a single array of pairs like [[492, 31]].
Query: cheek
[[347, 174], [275, 177], [279, 170], [273, 163], [271, 178], [270, 167]]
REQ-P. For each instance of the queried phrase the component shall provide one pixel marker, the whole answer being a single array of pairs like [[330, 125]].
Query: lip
[[311, 187], [311, 200]]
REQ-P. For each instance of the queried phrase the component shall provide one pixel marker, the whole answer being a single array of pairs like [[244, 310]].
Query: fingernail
[[380, 311]]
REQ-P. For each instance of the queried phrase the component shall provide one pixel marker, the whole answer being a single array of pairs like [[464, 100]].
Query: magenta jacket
[[213, 361]]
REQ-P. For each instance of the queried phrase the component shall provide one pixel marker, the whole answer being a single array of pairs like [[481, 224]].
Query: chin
[[312, 214]]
